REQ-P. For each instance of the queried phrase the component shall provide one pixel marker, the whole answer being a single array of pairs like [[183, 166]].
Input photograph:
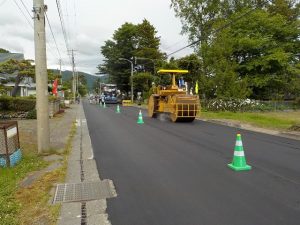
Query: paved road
[[176, 174]]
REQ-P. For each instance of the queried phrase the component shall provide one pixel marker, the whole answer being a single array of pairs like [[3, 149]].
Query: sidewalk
[[82, 172], [59, 128]]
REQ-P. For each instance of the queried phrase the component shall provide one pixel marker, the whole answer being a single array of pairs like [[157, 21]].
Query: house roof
[[11, 84]]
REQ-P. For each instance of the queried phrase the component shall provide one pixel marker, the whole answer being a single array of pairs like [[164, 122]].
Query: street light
[[153, 61], [131, 76]]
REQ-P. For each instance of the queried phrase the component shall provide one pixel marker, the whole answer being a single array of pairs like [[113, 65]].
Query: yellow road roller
[[173, 100]]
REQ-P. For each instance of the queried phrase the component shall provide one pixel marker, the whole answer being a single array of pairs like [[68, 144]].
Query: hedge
[[24, 104]]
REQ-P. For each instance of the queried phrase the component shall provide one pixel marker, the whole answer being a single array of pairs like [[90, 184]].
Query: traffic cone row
[[239, 159]]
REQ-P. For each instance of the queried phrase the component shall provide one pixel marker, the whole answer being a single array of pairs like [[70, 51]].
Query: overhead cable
[[28, 21], [53, 35], [220, 28], [26, 9]]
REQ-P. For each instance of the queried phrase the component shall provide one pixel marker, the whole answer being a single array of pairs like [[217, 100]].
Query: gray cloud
[[14, 31], [8, 20], [88, 25]]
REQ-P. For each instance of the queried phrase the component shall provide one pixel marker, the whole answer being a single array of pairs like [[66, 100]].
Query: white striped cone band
[[238, 143], [239, 153]]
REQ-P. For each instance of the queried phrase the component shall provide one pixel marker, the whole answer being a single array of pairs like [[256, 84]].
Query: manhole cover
[[86, 191]]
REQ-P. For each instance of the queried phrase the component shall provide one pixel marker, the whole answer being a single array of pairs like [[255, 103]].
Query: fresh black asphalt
[[176, 173]]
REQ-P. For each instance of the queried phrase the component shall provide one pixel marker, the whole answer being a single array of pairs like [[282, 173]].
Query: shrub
[[4, 103], [20, 104], [233, 105], [31, 114], [297, 102], [243, 105], [24, 104]]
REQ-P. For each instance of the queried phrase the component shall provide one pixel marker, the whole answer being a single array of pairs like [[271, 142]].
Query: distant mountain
[[90, 79]]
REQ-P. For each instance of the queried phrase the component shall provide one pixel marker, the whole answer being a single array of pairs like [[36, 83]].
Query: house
[[27, 86]]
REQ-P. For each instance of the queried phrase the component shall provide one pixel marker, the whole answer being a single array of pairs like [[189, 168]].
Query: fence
[[54, 107]]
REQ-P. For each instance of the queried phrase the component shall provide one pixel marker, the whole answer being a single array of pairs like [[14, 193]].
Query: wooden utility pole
[[41, 76]]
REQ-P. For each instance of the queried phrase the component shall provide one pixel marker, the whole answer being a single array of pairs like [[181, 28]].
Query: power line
[[220, 28], [28, 21], [53, 35], [172, 45], [62, 25], [26, 8]]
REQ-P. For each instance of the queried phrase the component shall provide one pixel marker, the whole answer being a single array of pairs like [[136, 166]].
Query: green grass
[[273, 120], [9, 179]]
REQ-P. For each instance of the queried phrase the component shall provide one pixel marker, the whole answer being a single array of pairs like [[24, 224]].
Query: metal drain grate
[[86, 191]]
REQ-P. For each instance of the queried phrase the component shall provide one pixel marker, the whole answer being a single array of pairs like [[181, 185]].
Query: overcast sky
[[88, 24]]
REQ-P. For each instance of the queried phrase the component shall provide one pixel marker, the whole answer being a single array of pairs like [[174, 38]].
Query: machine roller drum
[[152, 105]]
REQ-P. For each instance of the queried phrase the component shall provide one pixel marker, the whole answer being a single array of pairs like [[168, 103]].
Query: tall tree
[[259, 49], [193, 64], [129, 41]]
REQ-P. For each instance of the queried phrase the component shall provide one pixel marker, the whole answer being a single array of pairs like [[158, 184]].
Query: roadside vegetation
[[242, 50], [272, 120], [9, 179], [278, 115], [31, 204]]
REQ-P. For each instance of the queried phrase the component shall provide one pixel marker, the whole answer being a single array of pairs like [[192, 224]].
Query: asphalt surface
[[176, 173]]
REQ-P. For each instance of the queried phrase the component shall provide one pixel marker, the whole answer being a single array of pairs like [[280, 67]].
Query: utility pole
[[41, 76], [60, 72], [74, 80], [77, 82]]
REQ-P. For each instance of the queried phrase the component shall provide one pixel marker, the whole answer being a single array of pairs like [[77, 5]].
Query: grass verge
[[9, 178], [30, 205], [271, 120]]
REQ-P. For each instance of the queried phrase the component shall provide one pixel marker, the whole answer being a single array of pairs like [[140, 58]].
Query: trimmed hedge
[[24, 104]]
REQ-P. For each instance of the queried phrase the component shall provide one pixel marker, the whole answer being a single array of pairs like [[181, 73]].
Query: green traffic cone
[[239, 160], [118, 109], [140, 119]]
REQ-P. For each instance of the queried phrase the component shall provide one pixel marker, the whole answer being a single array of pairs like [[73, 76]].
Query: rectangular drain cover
[[85, 191]]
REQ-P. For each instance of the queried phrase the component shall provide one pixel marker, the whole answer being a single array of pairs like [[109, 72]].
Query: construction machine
[[173, 100]]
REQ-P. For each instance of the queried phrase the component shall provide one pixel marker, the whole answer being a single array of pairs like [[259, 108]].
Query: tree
[[265, 49], [2, 50], [257, 53], [193, 64], [22, 69], [129, 41], [142, 81]]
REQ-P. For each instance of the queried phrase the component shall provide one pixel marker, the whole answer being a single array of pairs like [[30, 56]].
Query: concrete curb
[[95, 210], [286, 134]]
